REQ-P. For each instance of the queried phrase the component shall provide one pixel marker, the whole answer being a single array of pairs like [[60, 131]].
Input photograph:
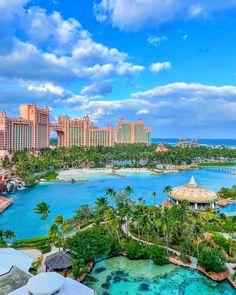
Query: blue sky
[[172, 63]]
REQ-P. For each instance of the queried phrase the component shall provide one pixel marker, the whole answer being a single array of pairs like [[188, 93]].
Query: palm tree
[[9, 235], [197, 234], [129, 190], [43, 210], [154, 194], [167, 189], [111, 192], [101, 206], [59, 221], [165, 224]]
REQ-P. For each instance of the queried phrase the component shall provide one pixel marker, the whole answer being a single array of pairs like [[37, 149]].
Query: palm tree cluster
[[48, 160]]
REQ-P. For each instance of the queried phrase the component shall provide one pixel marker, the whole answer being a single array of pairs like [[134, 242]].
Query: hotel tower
[[30, 131], [82, 132]]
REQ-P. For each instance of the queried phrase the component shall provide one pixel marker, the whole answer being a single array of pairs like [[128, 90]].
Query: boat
[[5, 203]]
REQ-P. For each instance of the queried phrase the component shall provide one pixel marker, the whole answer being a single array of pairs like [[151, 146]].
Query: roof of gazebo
[[59, 260], [194, 193]]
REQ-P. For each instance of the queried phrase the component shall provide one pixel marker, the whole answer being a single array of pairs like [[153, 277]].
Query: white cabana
[[11, 257], [51, 282]]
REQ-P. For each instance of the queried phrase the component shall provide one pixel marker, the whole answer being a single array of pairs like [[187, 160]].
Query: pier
[[230, 170]]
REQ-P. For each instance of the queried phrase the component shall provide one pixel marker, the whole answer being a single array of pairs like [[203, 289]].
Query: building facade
[[40, 119], [133, 132], [82, 132], [30, 131]]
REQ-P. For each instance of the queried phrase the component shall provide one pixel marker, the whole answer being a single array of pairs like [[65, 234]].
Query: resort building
[[82, 132], [52, 283], [30, 131], [40, 119], [198, 197], [161, 148], [183, 143], [133, 132], [15, 278]]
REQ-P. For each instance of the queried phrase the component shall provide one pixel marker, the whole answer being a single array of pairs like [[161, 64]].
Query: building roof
[[13, 280], [59, 260], [10, 257], [44, 283], [194, 193]]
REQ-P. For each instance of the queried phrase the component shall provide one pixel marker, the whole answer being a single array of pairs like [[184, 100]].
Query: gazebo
[[60, 262], [198, 196]]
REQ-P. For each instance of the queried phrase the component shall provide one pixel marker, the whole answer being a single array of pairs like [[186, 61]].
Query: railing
[[220, 169]]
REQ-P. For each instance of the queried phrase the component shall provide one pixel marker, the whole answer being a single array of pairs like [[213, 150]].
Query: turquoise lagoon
[[65, 198], [120, 276]]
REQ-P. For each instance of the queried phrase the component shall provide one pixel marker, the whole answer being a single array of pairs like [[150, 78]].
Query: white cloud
[[46, 87], [53, 50], [156, 41], [159, 66], [152, 13], [177, 108], [142, 112]]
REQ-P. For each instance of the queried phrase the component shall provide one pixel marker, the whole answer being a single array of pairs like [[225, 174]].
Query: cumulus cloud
[[181, 108], [48, 50], [152, 13], [159, 66]]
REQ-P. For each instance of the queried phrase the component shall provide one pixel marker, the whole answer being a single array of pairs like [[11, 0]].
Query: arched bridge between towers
[[222, 169]]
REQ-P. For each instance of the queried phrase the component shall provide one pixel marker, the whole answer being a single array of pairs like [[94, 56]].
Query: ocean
[[203, 141]]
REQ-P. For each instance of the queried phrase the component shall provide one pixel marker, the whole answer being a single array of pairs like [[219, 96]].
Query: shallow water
[[65, 198], [125, 277]]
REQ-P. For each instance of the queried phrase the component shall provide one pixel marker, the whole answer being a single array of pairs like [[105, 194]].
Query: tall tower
[[40, 118]]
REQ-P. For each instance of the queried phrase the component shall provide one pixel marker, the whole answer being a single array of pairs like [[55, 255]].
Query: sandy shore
[[86, 173]]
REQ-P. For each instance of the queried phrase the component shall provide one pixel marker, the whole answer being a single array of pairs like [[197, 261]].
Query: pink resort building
[[31, 130], [82, 132]]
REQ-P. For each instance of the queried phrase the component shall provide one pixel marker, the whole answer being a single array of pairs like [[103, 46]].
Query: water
[[125, 277], [65, 198], [203, 141]]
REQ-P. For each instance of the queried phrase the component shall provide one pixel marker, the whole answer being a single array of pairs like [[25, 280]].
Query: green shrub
[[46, 249], [29, 180], [159, 255], [38, 243], [185, 258], [136, 250], [221, 241], [212, 260], [50, 175]]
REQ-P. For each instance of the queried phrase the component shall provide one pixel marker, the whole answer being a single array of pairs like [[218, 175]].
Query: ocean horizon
[[202, 141]]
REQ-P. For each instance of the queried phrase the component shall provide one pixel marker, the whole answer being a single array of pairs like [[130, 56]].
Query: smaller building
[[198, 196], [51, 283], [183, 143], [161, 148], [60, 262]]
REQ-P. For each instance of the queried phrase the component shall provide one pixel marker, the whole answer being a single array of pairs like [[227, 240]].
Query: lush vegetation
[[40, 243], [171, 228], [93, 244], [50, 176], [228, 193], [49, 160], [212, 259]]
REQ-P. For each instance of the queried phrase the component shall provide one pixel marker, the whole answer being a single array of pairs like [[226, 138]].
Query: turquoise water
[[65, 198], [125, 277]]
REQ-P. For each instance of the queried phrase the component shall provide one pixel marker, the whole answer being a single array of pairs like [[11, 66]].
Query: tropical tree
[[43, 210], [111, 192], [101, 205], [167, 189], [9, 235], [154, 194]]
